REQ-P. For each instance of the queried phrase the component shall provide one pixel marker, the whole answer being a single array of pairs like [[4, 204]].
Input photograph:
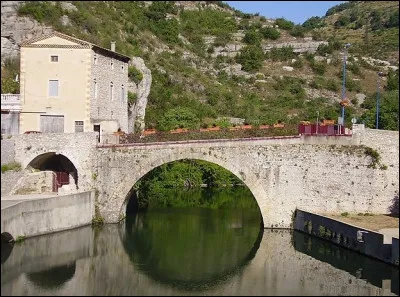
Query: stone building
[[68, 85]]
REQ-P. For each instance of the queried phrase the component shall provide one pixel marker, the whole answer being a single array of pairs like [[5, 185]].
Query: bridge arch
[[55, 162], [244, 174]]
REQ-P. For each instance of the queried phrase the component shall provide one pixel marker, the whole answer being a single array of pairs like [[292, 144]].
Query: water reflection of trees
[[193, 248]]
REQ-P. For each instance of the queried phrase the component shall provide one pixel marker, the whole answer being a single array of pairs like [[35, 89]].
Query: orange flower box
[[234, 128], [149, 131], [244, 127], [279, 125], [264, 126], [214, 129], [179, 130], [203, 129]]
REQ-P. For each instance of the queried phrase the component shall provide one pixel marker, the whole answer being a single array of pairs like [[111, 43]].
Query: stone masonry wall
[[320, 174], [103, 108], [7, 151], [79, 148]]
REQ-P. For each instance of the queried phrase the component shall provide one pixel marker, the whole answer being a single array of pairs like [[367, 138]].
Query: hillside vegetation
[[181, 43]]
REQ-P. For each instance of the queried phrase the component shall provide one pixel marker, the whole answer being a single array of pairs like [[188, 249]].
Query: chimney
[[113, 46]]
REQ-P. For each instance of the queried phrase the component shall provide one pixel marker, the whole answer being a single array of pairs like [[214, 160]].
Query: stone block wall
[[103, 108], [79, 148], [34, 183], [7, 151]]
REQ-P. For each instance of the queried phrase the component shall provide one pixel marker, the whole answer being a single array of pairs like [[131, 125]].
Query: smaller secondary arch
[[66, 171], [247, 177]]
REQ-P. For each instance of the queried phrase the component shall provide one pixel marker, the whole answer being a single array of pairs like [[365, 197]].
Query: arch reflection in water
[[54, 277], [6, 249], [193, 248]]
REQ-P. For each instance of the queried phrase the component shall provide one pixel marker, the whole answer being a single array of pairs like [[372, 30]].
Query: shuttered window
[[53, 88], [51, 124], [78, 126]]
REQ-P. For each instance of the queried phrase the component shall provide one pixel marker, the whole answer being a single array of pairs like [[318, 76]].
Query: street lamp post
[[316, 132], [346, 46], [377, 100]]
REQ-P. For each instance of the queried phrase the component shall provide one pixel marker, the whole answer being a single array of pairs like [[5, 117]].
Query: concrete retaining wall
[[358, 239], [42, 216]]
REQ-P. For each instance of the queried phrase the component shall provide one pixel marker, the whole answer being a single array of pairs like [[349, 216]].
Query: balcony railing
[[10, 102], [10, 99]]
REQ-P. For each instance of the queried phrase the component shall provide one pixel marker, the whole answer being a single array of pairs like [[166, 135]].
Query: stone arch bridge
[[315, 173]]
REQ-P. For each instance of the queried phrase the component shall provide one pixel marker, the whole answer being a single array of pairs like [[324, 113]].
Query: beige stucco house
[[68, 85]]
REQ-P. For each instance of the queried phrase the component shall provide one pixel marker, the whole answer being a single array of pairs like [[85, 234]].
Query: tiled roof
[[81, 44]]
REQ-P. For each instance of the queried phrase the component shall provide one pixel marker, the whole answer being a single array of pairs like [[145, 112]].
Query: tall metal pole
[[317, 122], [346, 46], [377, 101]]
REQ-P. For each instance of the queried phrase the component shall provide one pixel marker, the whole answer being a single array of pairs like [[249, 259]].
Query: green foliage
[[281, 54], [284, 24], [392, 80], [313, 23], [14, 166], [251, 58], [132, 97], [158, 10], [135, 74], [342, 21], [9, 86], [344, 214], [252, 37], [270, 33], [318, 68], [297, 31], [9, 71], [388, 111], [42, 11], [179, 117], [340, 7]]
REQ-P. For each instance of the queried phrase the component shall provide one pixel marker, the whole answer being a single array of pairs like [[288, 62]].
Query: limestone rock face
[[137, 111], [15, 29]]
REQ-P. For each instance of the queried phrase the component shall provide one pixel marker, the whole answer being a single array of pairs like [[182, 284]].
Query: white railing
[[10, 99]]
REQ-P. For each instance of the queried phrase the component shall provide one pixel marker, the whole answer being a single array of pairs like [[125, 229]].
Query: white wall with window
[[53, 88], [54, 58]]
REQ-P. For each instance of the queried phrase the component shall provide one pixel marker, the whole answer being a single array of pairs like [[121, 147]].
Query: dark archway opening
[[65, 172]]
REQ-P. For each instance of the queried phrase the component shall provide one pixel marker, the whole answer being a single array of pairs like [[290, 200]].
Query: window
[[122, 68], [78, 126], [112, 64], [95, 88], [95, 59], [54, 58], [53, 88], [112, 91], [122, 93]]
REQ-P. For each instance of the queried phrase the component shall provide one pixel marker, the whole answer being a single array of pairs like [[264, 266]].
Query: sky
[[296, 11]]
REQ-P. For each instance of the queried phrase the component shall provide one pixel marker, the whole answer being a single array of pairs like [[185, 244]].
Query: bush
[[179, 117], [134, 74], [284, 24], [251, 58], [270, 33]]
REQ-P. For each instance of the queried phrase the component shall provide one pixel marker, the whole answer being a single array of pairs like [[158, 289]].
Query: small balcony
[[10, 102]]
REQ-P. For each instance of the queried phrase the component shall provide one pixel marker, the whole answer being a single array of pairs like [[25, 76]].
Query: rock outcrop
[[137, 111], [15, 29]]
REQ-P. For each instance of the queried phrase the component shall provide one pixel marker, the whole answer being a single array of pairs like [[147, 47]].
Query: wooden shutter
[[51, 124]]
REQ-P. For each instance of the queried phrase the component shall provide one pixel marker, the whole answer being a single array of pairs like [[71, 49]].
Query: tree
[[251, 58]]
